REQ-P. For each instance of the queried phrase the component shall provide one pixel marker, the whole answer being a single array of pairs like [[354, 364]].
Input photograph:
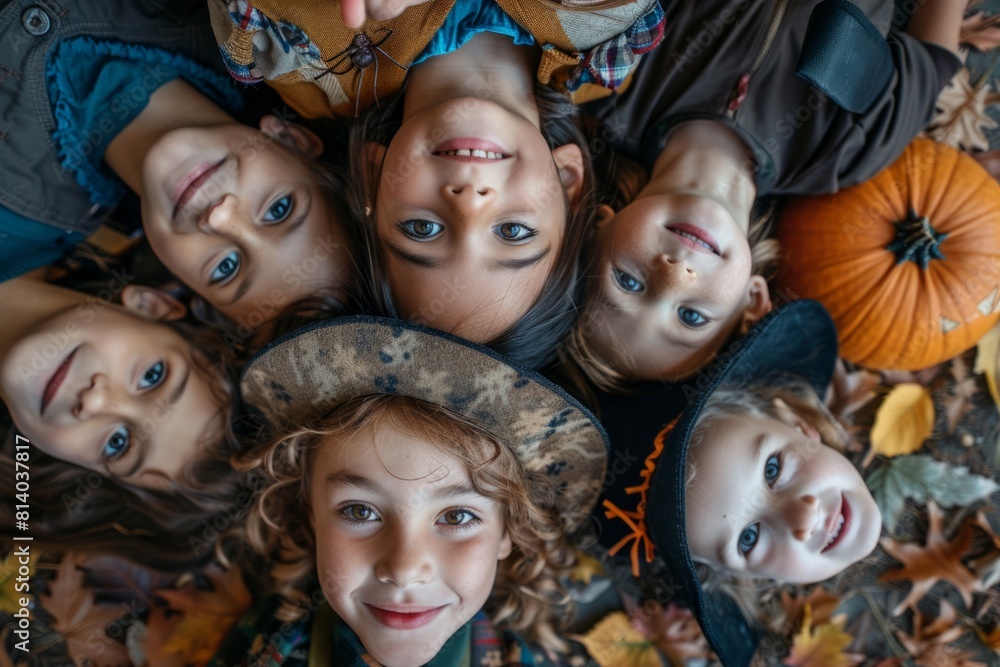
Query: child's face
[[241, 219], [406, 549], [110, 390], [768, 499], [469, 241], [673, 283]]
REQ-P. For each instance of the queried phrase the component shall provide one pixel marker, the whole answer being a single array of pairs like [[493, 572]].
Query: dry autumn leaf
[[962, 118], [822, 646], [674, 631], [990, 161], [980, 31], [941, 630], [586, 567], [613, 642], [937, 560], [991, 640], [988, 361], [10, 572], [208, 615], [849, 392], [959, 403], [903, 421], [81, 621], [820, 601]]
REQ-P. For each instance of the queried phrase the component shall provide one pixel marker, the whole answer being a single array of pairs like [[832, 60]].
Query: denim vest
[[32, 181]]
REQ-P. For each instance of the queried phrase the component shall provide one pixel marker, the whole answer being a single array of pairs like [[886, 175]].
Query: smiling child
[[785, 97], [410, 479]]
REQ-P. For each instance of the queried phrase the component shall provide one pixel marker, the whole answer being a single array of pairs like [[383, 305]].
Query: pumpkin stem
[[916, 241]]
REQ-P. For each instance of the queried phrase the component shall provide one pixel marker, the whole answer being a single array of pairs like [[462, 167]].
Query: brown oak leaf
[[962, 118], [207, 615], [980, 31], [675, 632], [942, 630], [959, 403], [938, 560], [991, 640], [820, 601], [822, 646], [81, 621], [849, 392]]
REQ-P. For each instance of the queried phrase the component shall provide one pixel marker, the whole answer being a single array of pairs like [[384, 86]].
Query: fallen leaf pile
[[823, 645]]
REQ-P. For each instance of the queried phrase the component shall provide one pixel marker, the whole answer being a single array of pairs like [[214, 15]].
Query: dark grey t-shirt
[[799, 140]]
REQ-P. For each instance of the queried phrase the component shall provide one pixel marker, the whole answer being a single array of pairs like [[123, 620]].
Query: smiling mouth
[[52, 386], [405, 619], [695, 237], [840, 525], [472, 152], [190, 184]]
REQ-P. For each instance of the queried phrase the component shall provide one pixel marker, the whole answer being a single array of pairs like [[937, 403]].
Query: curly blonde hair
[[527, 595]]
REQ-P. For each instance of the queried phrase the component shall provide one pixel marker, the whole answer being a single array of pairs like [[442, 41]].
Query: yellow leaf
[[10, 572], [903, 421], [822, 647], [988, 359], [614, 642], [586, 567]]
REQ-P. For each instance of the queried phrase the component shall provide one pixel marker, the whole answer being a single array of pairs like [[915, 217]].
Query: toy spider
[[360, 54]]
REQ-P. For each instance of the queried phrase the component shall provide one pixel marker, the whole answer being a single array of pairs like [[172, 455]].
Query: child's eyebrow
[[244, 287], [454, 490], [517, 264], [419, 260], [343, 478]]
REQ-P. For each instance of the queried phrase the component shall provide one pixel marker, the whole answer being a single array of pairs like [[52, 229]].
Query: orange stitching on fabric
[[636, 520]]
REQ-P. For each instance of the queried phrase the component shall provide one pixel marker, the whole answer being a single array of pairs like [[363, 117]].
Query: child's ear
[[758, 303], [569, 161], [292, 134], [792, 418], [605, 214], [152, 303], [506, 546]]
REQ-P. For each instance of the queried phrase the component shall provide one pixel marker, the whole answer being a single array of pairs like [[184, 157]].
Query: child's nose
[[96, 398], [403, 561], [468, 198], [802, 513], [222, 217]]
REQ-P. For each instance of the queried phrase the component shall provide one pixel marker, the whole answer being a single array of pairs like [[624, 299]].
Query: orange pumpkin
[[907, 263]]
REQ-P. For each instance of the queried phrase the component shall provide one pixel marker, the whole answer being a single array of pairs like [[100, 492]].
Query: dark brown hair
[[535, 337]]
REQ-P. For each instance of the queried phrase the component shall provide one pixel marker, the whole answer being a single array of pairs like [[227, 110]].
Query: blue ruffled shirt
[[467, 19], [96, 88]]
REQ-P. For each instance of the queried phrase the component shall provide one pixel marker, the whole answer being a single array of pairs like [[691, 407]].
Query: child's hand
[[354, 12]]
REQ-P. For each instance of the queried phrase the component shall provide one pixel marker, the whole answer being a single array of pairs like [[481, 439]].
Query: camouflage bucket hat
[[301, 377]]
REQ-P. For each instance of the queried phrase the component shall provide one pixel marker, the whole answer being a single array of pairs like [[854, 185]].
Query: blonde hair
[[760, 399], [607, 376], [527, 596]]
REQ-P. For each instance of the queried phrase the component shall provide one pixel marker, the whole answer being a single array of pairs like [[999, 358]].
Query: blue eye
[[117, 444], [748, 538], [421, 230], [279, 210], [458, 517], [691, 318], [627, 282], [358, 513], [512, 232], [153, 376], [225, 269], [772, 468]]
